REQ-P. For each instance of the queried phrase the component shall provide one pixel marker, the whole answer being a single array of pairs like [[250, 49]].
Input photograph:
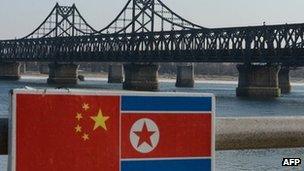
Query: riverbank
[[161, 76], [166, 77]]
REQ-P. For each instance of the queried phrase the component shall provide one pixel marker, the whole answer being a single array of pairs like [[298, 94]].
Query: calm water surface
[[227, 106]]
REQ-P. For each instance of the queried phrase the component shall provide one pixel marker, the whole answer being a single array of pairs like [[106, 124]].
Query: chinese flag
[[66, 132]]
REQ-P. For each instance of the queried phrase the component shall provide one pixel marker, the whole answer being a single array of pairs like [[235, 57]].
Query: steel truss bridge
[[149, 31]]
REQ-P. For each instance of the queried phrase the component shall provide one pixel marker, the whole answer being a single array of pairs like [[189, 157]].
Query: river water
[[227, 106]]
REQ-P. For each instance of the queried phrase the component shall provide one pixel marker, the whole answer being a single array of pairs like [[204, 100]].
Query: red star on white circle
[[144, 135]]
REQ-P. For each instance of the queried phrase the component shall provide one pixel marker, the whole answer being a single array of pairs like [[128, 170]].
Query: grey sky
[[20, 17]]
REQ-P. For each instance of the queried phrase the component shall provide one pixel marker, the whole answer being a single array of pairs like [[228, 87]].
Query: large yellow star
[[100, 120]]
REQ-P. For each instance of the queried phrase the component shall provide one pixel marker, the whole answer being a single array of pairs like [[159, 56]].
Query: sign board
[[108, 131]]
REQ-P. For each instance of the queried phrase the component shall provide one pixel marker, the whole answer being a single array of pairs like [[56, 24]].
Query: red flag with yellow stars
[[67, 132]]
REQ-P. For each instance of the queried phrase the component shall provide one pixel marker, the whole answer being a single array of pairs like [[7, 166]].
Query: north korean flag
[[167, 133]]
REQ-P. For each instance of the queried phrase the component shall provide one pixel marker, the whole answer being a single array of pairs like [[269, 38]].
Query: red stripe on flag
[[180, 135], [51, 132]]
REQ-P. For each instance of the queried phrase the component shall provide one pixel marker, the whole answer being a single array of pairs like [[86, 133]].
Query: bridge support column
[[9, 70], [43, 68], [63, 74], [284, 82], [260, 81], [23, 68], [141, 77], [185, 75], [115, 74]]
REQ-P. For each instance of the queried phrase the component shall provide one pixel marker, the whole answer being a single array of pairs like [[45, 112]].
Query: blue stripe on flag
[[155, 103], [167, 165]]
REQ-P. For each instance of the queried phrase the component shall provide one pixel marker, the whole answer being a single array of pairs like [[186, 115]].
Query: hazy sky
[[20, 17]]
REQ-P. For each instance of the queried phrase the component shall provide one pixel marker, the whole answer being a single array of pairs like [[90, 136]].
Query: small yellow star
[[85, 137], [79, 116], [86, 106], [78, 128], [100, 120]]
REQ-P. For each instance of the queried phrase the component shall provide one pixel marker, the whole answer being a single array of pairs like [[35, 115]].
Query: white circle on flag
[[144, 135]]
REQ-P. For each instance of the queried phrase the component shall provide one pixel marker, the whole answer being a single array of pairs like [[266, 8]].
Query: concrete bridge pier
[[259, 81], [63, 74], [284, 81], [23, 67], [9, 70], [115, 74], [185, 75], [43, 68], [141, 77]]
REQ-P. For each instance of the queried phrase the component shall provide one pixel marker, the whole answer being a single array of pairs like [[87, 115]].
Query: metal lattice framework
[[148, 31], [63, 21], [147, 16]]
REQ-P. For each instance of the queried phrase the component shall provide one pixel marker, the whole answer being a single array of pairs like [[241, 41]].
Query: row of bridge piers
[[262, 81]]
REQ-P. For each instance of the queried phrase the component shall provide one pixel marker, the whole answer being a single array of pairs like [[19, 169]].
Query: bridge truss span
[[269, 44], [148, 31]]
